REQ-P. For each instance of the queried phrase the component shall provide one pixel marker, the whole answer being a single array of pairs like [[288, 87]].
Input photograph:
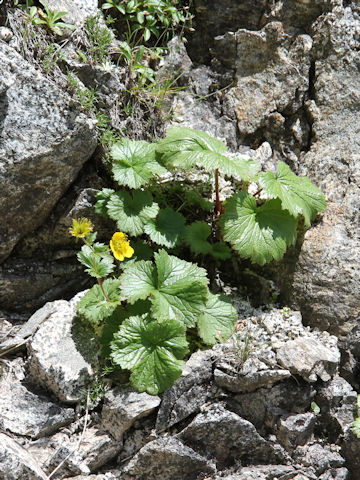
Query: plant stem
[[258, 192], [100, 282], [218, 208]]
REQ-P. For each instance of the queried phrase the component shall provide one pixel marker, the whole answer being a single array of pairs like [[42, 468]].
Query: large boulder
[[44, 142], [326, 282]]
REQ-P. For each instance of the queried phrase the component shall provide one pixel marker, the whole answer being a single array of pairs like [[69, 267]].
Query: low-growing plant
[[50, 19], [150, 18], [85, 96], [142, 314]]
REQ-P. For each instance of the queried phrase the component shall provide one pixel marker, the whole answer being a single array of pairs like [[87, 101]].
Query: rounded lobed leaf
[[167, 228], [216, 323], [196, 236], [94, 306], [132, 211], [134, 163], [297, 194], [259, 233], [151, 350]]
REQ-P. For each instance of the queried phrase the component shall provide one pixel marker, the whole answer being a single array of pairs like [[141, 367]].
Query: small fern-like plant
[[142, 315]]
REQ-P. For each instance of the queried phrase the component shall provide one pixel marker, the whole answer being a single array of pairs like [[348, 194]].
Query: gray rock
[[326, 282], [251, 381], [350, 450], [188, 393], [319, 458], [62, 353], [336, 474], [219, 433], [272, 78], [6, 34], [123, 406], [266, 406], [28, 329], [44, 141], [47, 255], [309, 358], [295, 430], [336, 400], [191, 112], [102, 476], [16, 463], [267, 472], [167, 459], [78, 10], [25, 413], [96, 449]]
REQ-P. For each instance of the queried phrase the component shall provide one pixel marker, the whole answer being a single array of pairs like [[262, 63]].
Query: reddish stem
[[258, 192]]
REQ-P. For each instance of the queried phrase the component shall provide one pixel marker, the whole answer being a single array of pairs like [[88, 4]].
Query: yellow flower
[[120, 246], [80, 228]]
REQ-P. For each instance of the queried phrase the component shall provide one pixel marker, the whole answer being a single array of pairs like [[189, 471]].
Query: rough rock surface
[[166, 458], [188, 393], [326, 282], [295, 430], [78, 10], [96, 448], [16, 462], [308, 358], [44, 142], [60, 354], [123, 406], [224, 435], [25, 413], [275, 70]]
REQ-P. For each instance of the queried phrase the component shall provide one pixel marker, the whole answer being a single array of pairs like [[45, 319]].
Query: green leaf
[[216, 323], [112, 323], [132, 211], [315, 408], [259, 233], [196, 235], [151, 350], [94, 306], [193, 198], [134, 163], [297, 194], [147, 34], [176, 289], [167, 228], [220, 251], [99, 263], [184, 148], [103, 198], [138, 281]]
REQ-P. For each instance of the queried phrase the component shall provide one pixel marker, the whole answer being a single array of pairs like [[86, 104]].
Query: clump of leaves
[[150, 18], [146, 310], [50, 19]]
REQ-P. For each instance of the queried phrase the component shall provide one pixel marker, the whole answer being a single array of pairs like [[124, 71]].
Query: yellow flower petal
[[120, 246], [81, 227]]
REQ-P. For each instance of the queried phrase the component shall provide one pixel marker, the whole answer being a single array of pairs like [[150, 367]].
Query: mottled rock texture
[[326, 280], [169, 459], [16, 462], [62, 353], [44, 141], [77, 10], [123, 406]]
